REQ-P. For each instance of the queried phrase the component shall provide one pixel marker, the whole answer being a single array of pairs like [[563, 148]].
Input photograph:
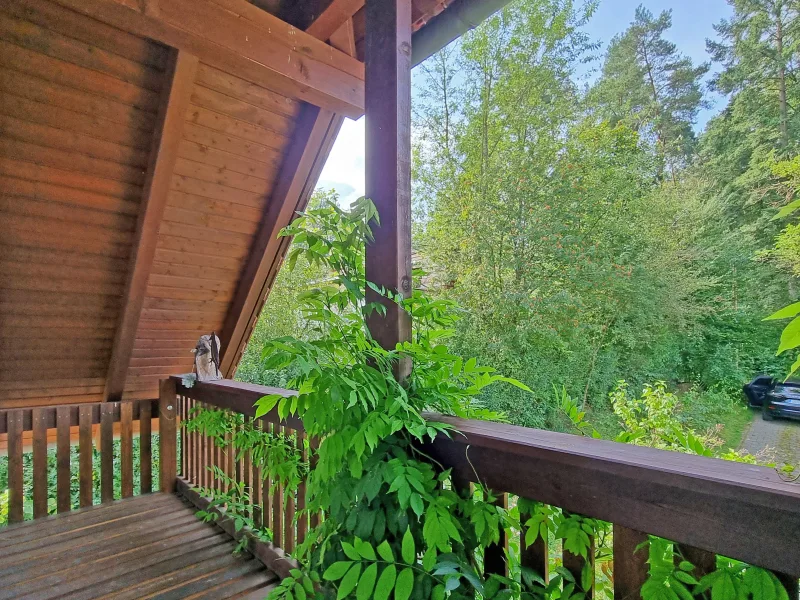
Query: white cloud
[[344, 169]]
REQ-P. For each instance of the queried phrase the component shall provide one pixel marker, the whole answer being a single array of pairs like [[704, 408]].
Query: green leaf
[[438, 592], [790, 336], [349, 582], [724, 587], [367, 583], [416, 504], [759, 583], [408, 551], [404, 585], [350, 551], [385, 551], [386, 583], [266, 404], [429, 559], [365, 549], [337, 570], [684, 577], [787, 311]]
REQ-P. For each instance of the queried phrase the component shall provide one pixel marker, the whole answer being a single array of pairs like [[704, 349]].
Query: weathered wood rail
[[99, 424], [708, 506]]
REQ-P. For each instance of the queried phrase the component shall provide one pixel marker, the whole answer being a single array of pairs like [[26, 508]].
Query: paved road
[[778, 439]]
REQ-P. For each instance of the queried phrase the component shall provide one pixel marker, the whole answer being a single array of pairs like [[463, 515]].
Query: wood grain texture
[[147, 546], [630, 565], [181, 73], [388, 168], [167, 440], [15, 482], [106, 452], [63, 479], [39, 426], [242, 39], [85, 473]]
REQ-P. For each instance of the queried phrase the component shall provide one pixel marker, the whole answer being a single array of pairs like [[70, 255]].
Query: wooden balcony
[[152, 542]]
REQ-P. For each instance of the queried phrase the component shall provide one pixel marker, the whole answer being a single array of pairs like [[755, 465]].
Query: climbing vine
[[395, 524]]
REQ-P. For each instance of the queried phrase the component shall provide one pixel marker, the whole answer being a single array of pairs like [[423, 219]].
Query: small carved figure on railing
[[206, 358]]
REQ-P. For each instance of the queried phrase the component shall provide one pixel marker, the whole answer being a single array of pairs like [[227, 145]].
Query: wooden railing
[[46, 485], [707, 506]]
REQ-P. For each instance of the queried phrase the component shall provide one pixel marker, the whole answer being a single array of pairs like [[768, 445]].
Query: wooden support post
[[388, 168], [163, 154], [630, 566], [534, 556], [494, 560], [167, 435]]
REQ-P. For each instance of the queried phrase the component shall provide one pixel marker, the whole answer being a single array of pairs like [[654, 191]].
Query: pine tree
[[649, 86], [758, 50]]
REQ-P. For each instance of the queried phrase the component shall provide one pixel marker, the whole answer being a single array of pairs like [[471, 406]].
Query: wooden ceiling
[[149, 154]]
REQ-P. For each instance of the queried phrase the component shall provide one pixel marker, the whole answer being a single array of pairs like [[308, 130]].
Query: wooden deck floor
[[144, 547]]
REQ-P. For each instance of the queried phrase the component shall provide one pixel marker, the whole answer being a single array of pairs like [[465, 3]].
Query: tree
[[648, 85], [758, 50]]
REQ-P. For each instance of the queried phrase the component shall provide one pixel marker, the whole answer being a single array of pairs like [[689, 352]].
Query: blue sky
[[692, 23]]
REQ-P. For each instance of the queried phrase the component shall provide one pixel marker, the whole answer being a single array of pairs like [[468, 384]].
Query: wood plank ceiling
[[142, 182]]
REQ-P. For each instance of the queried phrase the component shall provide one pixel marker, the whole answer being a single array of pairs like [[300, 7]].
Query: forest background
[[589, 234]]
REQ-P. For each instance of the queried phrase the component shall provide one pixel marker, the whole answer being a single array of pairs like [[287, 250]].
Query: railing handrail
[[739, 510]]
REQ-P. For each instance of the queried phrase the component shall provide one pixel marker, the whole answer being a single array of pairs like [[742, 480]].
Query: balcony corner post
[[167, 435]]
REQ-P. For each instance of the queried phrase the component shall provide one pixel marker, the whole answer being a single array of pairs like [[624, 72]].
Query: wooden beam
[[163, 154], [314, 135], [388, 168], [239, 38], [310, 145], [333, 17]]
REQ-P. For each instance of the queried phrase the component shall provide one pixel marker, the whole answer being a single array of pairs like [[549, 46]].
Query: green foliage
[[672, 577], [392, 522], [27, 477], [650, 87]]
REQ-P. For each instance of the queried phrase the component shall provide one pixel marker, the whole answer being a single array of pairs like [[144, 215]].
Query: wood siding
[[228, 159], [78, 102]]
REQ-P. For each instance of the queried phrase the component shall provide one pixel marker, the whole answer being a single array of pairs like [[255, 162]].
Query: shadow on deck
[[149, 546]]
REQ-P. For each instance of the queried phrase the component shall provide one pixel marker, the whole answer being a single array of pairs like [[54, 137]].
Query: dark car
[[775, 398]]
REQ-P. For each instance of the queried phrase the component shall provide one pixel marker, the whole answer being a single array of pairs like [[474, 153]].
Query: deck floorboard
[[149, 546]]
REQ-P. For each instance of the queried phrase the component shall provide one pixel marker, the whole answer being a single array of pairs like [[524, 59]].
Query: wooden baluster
[[209, 461], [313, 445], [201, 454], [85, 455], [16, 511], [126, 448], [257, 497], [191, 449], [167, 440], [289, 511], [630, 566], [575, 563], [234, 467], [494, 558], [302, 519], [182, 403], [534, 556], [791, 583], [107, 452], [63, 476], [247, 478], [704, 561], [145, 447], [277, 503], [39, 425]]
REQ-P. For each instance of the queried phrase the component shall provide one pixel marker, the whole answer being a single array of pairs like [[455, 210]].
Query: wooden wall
[[78, 103], [228, 160]]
